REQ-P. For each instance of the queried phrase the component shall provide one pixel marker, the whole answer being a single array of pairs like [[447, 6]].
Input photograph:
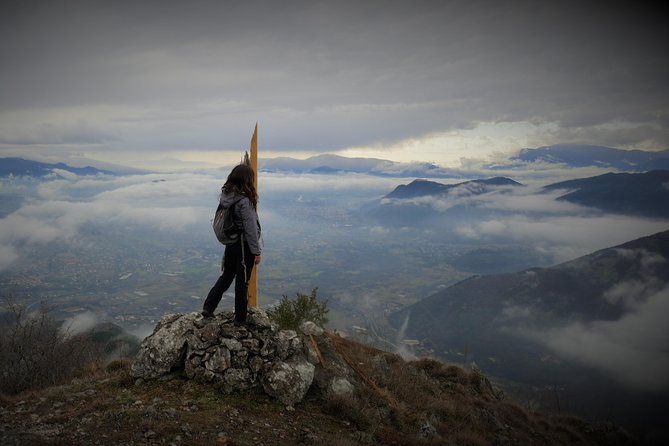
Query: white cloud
[[565, 237], [78, 324], [529, 199], [634, 348], [65, 174], [634, 292], [8, 256], [170, 202], [276, 182]]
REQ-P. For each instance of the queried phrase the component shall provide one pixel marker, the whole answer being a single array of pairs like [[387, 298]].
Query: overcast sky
[[160, 83]]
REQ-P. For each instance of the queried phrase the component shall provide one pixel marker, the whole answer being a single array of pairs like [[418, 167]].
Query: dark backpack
[[224, 226]]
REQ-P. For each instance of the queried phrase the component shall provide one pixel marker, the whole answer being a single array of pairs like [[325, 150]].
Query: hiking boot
[[207, 313]]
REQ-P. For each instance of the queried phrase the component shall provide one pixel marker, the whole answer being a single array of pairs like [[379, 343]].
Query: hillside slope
[[421, 402], [547, 327]]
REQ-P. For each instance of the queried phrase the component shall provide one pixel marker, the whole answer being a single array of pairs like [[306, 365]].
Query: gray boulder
[[231, 358], [165, 349], [288, 381]]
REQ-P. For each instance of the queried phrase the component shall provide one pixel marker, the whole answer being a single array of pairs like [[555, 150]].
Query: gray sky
[[167, 83]]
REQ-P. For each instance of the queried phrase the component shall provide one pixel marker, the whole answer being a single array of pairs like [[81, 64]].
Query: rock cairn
[[236, 357]]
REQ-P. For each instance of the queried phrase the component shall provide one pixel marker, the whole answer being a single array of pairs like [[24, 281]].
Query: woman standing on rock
[[239, 196]]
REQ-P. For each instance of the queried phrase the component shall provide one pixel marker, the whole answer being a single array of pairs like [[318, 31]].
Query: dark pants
[[240, 272]]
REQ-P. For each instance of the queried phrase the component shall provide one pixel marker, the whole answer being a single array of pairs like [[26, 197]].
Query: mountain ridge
[[421, 187], [38, 169], [333, 164], [645, 194], [586, 155]]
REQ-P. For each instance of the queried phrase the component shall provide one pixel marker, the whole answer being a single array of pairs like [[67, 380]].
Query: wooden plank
[[253, 282]]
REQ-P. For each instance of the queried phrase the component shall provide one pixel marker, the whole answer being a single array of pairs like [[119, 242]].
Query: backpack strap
[[241, 239]]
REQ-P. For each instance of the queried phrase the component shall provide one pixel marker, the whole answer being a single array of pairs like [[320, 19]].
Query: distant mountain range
[[575, 155], [639, 194], [421, 188], [424, 203], [330, 164], [569, 155], [36, 169]]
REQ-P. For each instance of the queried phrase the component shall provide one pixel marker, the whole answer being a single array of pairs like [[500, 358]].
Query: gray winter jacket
[[244, 217]]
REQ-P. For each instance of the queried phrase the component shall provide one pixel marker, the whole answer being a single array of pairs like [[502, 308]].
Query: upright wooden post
[[253, 282]]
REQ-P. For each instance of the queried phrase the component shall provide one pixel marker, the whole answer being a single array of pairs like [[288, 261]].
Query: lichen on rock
[[230, 357]]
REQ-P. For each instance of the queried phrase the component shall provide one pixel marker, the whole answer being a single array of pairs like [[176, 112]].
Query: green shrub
[[289, 314]]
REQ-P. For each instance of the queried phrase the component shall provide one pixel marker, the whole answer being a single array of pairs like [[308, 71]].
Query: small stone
[[427, 430], [310, 328], [341, 386], [150, 412], [149, 434]]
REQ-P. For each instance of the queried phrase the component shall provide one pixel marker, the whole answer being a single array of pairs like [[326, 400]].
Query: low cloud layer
[[502, 198], [564, 238], [634, 348], [81, 323], [62, 207], [532, 216], [177, 202], [635, 292]]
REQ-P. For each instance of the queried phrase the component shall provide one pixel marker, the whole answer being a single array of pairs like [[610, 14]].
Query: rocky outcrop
[[232, 357]]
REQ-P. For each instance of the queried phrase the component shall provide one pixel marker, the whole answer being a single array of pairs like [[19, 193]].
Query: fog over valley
[[502, 263], [309, 221]]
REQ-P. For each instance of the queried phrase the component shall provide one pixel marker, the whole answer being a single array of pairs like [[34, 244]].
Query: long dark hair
[[240, 180]]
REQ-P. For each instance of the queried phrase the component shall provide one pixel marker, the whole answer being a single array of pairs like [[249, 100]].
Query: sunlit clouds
[[163, 85]]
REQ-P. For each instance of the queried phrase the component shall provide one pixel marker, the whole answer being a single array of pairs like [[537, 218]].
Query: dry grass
[[416, 403], [460, 406]]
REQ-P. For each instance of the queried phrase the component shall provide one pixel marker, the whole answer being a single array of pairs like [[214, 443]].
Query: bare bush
[[35, 353]]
